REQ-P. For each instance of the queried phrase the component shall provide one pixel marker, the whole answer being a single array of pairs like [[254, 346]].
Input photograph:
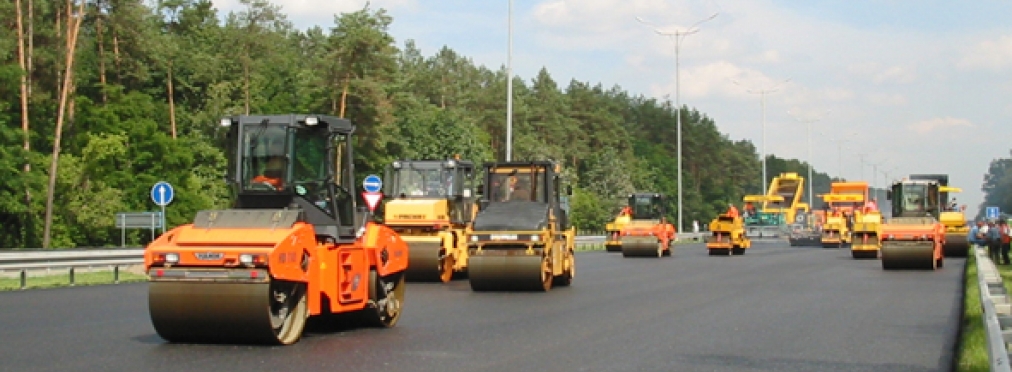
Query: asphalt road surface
[[777, 308]]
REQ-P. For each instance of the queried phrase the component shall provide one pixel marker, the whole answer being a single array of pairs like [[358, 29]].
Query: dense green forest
[[100, 99]]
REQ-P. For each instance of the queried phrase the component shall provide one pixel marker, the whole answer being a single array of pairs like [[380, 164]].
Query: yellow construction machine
[[768, 215], [293, 246], [867, 234], [430, 203], [613, 242], [521, 238], [913, 236], [727, 236], [843, 202]]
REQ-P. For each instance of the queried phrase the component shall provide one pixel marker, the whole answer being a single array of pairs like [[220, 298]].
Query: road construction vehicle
[[521, 238], [293, 245], [913, 237], [768, 215], [867, 234], [843, 202], [809, 232], [957, 243], [612, 242], [759, 223], [727, 236], [430, 203], [648, 233]]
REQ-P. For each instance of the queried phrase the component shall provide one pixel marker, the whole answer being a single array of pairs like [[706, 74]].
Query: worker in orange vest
[[732, 211], [871, 206]]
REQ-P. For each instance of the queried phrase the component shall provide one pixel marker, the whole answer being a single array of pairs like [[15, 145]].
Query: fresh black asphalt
[[777, 308]]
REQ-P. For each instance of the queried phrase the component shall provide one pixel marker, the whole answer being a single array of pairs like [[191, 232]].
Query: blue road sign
[[993, 213], [161, 193], [372, 183]]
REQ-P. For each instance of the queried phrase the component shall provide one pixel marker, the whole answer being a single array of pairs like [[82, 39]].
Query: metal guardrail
[[997, 308], [25, 261]]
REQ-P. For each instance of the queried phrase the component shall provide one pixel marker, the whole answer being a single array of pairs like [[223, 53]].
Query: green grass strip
[[971, 355], [63, 280]]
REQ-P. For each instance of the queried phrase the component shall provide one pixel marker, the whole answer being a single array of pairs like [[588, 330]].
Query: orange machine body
[[336, 274], [665, 232]]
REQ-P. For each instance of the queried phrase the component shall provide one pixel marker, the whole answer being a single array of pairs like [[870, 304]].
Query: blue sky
[[916, 86]]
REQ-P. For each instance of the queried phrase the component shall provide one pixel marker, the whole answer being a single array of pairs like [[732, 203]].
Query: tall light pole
[[810, 179], [509, 82], [677, 36], [762, 94]]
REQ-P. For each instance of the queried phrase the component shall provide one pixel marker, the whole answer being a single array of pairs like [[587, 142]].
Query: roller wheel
[[446, 267], [737, 251], [386, 298], [288, 311], [546, 274], [566, 278], [941, 263]]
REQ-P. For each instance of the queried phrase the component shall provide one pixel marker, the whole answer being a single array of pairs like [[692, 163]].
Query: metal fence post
[[24, 279], [71, 276], [115, 274]]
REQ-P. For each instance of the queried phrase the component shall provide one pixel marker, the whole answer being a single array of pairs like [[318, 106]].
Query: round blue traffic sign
[[372, 183], [162, 193]]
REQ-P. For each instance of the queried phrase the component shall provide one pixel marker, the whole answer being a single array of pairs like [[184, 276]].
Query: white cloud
[[879, 74], [766, 56], [886, 99], [932, 125], [988, 55]]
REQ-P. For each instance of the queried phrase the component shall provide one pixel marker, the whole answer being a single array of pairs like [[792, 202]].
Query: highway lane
[[777, 308]]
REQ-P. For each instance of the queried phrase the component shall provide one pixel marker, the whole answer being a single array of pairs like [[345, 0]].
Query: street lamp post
[[762, 94], [677, 36], [810, 179], [509, 83]]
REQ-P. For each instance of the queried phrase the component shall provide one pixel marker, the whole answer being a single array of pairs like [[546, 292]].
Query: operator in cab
[[273, 174]]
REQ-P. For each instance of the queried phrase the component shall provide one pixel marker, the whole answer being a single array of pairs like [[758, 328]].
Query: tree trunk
[[31, 43], [344, 94], [115, 54], [68, 75], [101, 55], [24, 100], [172, 103]]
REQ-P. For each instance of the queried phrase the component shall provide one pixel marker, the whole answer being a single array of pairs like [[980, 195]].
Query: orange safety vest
[[276, 182], [732, 211]]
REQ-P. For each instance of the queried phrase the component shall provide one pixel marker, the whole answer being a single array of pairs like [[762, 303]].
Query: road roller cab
[[521, 238], [913, 236], [431, 203], [727, 236], [294, 245], [648, 233]]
